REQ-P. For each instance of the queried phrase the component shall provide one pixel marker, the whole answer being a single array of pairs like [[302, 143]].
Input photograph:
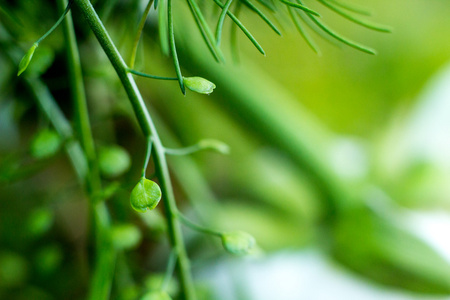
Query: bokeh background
[[339, 163]]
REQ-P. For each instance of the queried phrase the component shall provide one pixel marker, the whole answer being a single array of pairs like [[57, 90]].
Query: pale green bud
[[45, 144], [160, 295], [26, 59], [238, 242], [125, 236], [113, 161], [199, 85]]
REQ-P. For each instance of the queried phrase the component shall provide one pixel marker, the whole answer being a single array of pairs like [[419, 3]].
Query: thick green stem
[[149, 130], [103, 273]]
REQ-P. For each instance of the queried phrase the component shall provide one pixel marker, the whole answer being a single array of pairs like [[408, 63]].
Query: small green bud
[[26, 59], [113, 161], [238, 242], [45, 144], [160, 295], [145, 195], [199, 85], [40, 221], [48, 259], [216, 145], [125, 236]]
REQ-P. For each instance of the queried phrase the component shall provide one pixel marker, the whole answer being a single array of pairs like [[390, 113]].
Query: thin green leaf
[[162, 28], [221, 21], [139, 33], [268, 4], [325, 36], [205, 31], [261, 14], [242, 27], [304, 34], [233, 35], [364, 23], [301, 6], [173, 49], [351, 8], [338, 37]]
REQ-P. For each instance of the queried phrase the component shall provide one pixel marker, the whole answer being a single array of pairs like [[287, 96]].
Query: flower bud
[[45, 144], [26, 59], [199, 85], [238, 242], [216, 145], [145, 195], [160, 295], [113, 161], [125, 236]]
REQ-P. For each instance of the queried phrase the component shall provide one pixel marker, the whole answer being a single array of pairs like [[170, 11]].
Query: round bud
[[113, 161], [125, 236], [159, 295], [145, 195], [238, 242], [45, 144]]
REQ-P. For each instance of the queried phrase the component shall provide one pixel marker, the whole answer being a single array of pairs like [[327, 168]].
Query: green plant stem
[[173, 48], [148, 153], [169, 271], [148, 129], [103, 274], [197, 227], [51, 110], [150, 76], [61, 18], [139, 33]]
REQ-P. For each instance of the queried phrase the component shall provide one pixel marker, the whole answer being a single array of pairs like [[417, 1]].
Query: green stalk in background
[[103, 273], [148, 130]]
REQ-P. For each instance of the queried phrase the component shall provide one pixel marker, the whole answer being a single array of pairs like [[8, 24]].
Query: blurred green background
[[339, 154]]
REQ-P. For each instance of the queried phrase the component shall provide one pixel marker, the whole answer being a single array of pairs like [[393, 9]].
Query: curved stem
[[197, 227], [148, 129], [139, 33], [173, 48], [147, 155], [61, 18]]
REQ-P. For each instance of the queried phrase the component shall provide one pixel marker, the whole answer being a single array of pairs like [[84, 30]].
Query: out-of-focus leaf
[[379, 249]]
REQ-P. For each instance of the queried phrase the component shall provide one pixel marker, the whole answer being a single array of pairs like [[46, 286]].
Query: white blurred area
[[290, 275], [309, 274]]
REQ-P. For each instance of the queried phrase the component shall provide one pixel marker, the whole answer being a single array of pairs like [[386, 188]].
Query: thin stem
[[364, 23], [148, 129], [173, 48], [139, 33], [302, 7], [221, 20], [169, 271], [147, 155], [197, 227], [150, 76], [241, 26], [61, 18], [303, 32]]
